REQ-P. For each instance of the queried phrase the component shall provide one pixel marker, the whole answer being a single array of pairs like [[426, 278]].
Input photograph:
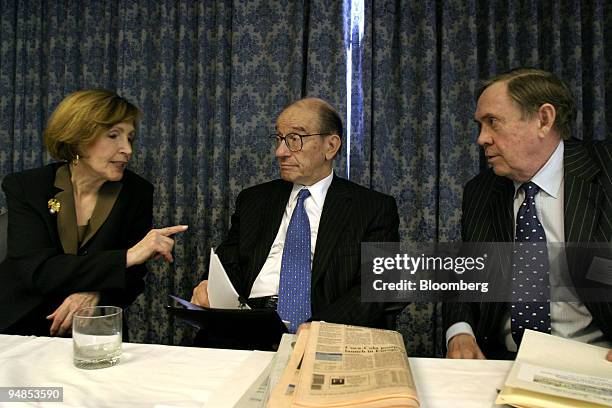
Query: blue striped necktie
[[530, 284], [294, 286]]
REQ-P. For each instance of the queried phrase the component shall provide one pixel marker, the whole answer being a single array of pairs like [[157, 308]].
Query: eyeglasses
[[293, 141]]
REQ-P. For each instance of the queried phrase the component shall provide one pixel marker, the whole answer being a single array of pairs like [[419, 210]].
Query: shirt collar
[[318, 190], [550, 176]]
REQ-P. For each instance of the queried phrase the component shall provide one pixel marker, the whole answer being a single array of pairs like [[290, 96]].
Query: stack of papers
[[554, 372], [336, 365]]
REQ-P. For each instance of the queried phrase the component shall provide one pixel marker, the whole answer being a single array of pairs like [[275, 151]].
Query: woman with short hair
[[79, 231]]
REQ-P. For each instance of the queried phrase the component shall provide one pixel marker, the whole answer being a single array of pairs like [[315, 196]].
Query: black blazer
[[488, 217], [351, 215], [38, 275]]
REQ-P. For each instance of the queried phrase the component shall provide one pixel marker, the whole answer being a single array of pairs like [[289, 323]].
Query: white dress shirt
[[266, 283], [571, 320]]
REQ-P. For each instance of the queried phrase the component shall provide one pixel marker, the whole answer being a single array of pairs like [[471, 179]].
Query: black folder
[[251, 329]]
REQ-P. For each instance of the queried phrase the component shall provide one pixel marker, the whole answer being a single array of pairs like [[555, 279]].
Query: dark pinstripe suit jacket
[[488, 217], [351, 214]]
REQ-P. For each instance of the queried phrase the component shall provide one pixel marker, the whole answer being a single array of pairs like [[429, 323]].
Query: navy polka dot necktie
[[294, 286], [530, 284]]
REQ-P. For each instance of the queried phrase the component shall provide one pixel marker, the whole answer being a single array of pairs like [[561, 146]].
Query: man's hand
[[464, 346], [62, 317], [156, 243], [200, 294], [609, 356]]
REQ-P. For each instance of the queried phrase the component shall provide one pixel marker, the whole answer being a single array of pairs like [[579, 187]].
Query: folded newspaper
[[554, 372], [335, 365]]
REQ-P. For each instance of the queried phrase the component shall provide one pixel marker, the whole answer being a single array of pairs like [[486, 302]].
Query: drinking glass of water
[[96, 336]]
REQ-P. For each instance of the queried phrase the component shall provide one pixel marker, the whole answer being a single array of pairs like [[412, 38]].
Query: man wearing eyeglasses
[[294, 243]]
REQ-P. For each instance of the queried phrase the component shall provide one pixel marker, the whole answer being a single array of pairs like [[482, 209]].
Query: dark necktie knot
[[530, 188], [303, 194]]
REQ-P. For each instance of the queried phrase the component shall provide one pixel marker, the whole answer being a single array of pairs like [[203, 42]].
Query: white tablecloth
[[147, 376], [165, 376]]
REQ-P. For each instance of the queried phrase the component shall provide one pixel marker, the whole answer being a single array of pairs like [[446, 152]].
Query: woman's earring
[[75, 161]]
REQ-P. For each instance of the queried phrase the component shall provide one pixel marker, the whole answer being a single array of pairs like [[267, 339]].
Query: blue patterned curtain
[[211, 76]]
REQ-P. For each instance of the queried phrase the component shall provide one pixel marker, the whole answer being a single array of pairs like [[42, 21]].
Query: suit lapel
[[502, 194], [66, 217], [334, 216], [582, 196], [501, 210], [42, 201], [107, 197], [272, 215]]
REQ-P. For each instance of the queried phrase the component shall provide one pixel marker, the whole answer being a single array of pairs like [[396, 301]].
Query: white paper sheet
[[221, 292]]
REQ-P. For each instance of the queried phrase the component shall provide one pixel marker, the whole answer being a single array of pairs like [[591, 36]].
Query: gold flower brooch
[[54, 205]]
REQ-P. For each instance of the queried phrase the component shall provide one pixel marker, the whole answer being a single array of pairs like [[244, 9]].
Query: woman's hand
[[62, 317], [156, 242]]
